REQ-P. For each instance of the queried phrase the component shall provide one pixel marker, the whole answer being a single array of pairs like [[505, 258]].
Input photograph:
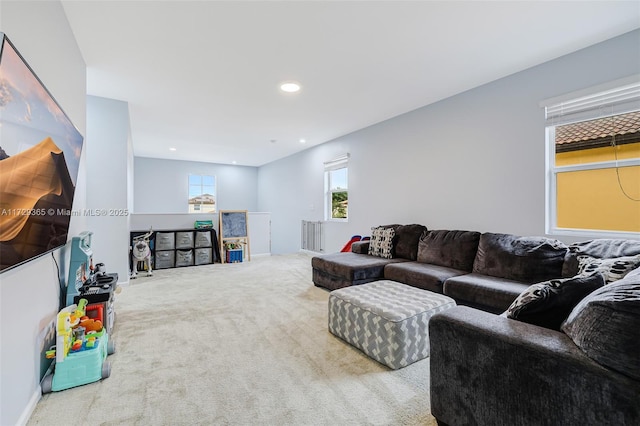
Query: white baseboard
[[260, 254], [31, 406], [312, 253]]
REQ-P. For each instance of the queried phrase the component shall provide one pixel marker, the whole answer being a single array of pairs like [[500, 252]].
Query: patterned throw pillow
[[381, 243], [549, 303], [613, 269]]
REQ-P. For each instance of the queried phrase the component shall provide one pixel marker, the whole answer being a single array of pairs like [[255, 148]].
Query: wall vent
[[312, 236]]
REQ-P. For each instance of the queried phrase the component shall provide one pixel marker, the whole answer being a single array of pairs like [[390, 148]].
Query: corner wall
[[473, 161], [29, 294], [108, 163]]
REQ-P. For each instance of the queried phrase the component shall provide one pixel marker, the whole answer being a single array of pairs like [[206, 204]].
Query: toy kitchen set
[[91, 282]]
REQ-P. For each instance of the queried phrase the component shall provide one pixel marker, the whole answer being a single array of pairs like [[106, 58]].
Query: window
[[593, 162], [202, 194], [336, 189]]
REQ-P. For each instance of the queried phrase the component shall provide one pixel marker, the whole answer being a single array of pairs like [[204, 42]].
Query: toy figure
[[64, 332], [140, 251], [91, 325]]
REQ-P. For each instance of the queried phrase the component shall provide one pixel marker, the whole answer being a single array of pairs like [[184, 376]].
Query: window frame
[[202, 186], [574, 116], [339, 163]]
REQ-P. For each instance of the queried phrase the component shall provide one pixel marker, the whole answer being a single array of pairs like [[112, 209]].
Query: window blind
[[619, 100], [337, 163]]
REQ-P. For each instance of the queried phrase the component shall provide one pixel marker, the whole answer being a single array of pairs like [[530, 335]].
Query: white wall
[[161, 192], [473, 161], [108, 161], [29, 294], [161, 186]]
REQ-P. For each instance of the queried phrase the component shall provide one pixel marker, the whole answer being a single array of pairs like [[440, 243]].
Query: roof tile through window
[[592, 130]]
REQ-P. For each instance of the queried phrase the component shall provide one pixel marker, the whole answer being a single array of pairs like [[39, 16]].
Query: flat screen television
[[39, 159]]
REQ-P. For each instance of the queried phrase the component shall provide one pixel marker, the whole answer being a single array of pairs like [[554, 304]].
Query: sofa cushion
[[352, 266], [381, 243], [605, 326], [452, 249], [602, 248], [526, 259], [549, 303], [420, 275], [488, 293], [406, 240], [361, 247], [613, 269]]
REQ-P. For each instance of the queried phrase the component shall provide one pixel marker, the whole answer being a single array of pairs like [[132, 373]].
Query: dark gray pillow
[[452, 249], [602, 248], [605, 326], [549, 303], [406, 240], [525, 259], [361, 247]]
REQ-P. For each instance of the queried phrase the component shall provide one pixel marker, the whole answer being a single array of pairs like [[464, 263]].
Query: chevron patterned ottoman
[[386, 320]]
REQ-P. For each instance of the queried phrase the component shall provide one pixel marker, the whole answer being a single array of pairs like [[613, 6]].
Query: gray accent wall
[[474, 161], [29, 294], [161, 186]]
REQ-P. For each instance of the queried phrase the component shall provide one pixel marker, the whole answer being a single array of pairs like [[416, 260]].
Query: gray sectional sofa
[[487, 271], [489, 369]]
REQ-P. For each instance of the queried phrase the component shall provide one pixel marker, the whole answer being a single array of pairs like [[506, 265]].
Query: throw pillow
[[381, 243], [633, 274], [605, 324], [601, 248], [525, 259], [406, 240], [451, 249], [549, 303], [612, 269]]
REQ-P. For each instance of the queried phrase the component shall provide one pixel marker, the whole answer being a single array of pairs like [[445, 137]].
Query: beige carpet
[[237, 344]]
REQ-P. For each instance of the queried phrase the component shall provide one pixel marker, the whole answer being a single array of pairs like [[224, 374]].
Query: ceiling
[[203, 77]]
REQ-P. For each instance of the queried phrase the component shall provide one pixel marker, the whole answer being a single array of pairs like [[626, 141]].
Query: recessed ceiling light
[[290, 86], [303, 140], [234, 162], [172, 149]]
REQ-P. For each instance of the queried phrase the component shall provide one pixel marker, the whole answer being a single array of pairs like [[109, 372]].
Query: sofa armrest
[[360, 247], [488, 369]]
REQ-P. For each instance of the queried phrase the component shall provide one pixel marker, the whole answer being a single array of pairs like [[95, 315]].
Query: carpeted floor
[[237, 344]]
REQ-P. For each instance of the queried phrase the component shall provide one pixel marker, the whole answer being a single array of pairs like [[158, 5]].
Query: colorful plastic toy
[[347, 246], [77, 361]]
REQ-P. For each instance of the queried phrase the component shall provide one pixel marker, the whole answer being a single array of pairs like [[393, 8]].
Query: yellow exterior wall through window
[[594, 155], [592, 199]]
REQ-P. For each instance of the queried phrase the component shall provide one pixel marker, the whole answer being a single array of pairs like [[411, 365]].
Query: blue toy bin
[[234, 255]]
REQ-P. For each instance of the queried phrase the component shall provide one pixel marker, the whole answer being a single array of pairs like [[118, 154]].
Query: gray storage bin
[[184, 258], [203, 239], [165, 241], [165, 259], [184, 240], [203, 256]]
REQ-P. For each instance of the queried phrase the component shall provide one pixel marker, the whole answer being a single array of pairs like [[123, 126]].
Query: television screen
[[39, 159]]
